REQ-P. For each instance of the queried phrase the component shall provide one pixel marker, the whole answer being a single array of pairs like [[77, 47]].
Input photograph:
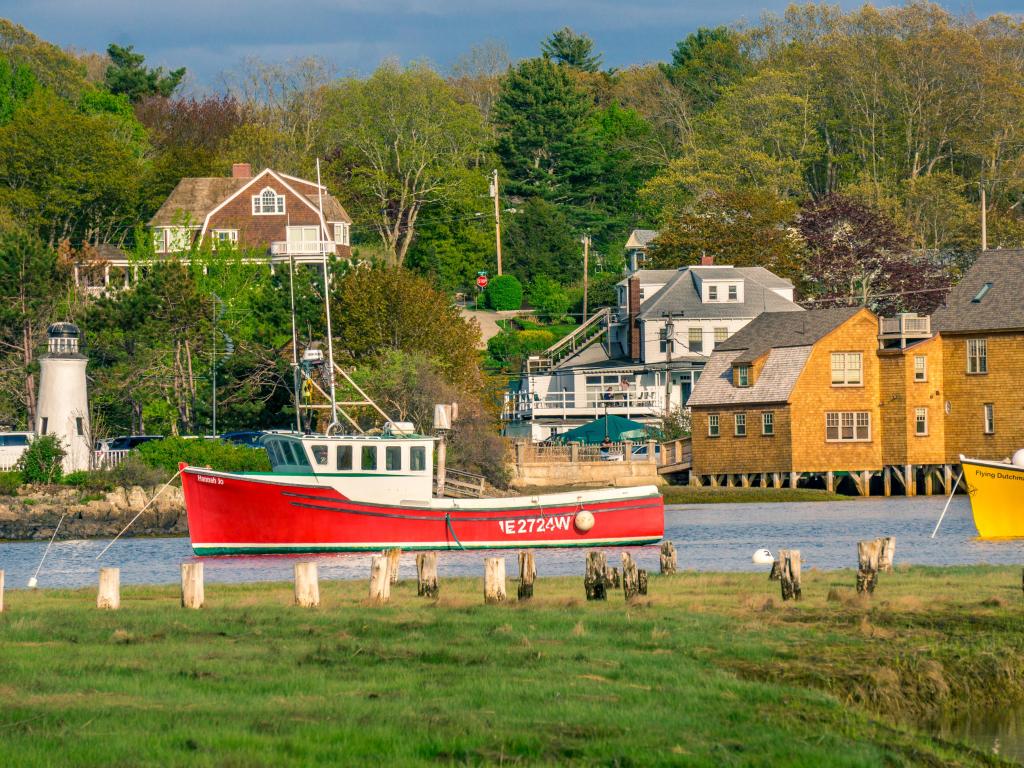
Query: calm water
[[718, 537]]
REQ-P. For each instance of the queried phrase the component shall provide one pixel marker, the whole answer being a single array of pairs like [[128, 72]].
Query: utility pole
[[497, 216], [586, 277], [984, 222]]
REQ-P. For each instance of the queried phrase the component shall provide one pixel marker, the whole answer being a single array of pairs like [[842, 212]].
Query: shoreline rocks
[[33, 514]]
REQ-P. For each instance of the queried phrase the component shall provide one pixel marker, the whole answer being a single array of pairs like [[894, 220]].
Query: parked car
[[12, 445], [249, 437], [128, 442]]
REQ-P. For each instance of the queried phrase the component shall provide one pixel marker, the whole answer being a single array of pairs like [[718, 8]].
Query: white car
[[12, 445]]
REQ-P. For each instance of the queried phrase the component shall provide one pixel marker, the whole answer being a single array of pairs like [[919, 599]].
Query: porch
[[646, 402]]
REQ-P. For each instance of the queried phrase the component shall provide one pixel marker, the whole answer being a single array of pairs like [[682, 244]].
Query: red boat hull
[[238, 514]]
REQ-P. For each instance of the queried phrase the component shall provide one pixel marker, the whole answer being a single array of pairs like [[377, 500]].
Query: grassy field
[[709, 669], [685, 494]]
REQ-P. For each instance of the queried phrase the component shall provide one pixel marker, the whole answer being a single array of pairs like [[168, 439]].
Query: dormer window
[[741, 375], [734, 293], [712, 293], [341, 236], [267, 202]]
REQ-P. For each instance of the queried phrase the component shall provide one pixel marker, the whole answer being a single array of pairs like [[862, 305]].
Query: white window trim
[[744, 381], [854, 439], [979, 344], [738, 419], [989, 415], [924, 368], [279, 201], [767, 417], [341, 228], [847, 369], [917, 413], [714, 425]]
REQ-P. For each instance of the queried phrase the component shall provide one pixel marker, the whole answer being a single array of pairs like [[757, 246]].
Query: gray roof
[[774, 385], [651, 276], [776, 330], [680, 296], [641, 238], [1002, 306]]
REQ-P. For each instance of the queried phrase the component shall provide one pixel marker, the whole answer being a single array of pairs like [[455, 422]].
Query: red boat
[[357, 492]]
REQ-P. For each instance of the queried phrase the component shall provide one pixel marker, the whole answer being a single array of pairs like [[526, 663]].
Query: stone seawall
[[34, 512]]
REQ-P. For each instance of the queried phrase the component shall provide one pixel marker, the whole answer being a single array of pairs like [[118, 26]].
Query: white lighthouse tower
[[63, 404]]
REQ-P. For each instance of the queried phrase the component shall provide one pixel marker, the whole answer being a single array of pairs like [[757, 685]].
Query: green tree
[[399, 141], [539, 240], [17, 83], [549, 298], [51, 66], [573, 50], [706, 63], [504, 293], [128, 75]]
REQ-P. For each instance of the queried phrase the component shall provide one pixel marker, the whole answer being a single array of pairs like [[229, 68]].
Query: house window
[[369, 457], [159, 241], [341, 233], [734, 293], [768, 423], [742, 375], [990, 419], [344, 457], [721, 334], [977, 355], [178, 239], [79, 425], [741, 425], [920, 368], [847, 426], [712, 293], [696, 341], [921, 422], [267, 202], [643, 293], [712, 425], [417, 458], [847, 369], [42, 428], [606, 388], [224, 236], [393, 458]]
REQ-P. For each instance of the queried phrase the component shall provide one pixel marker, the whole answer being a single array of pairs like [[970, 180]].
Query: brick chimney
[[241, 171], [633, 292], [707, 261]]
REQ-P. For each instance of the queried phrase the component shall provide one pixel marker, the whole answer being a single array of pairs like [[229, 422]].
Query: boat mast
[[295, 341], [327, 306]]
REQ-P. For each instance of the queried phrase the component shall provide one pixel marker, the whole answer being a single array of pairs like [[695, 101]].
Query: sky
[[209, 37]]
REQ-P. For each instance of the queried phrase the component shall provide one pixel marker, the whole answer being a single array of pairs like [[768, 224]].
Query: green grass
[[685, 494], [709, 669]]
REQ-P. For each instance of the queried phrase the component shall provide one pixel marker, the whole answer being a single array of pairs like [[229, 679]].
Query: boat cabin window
[[286, 453], [393, 458], [274, 452], [370, 457], [319, 453], [344, 457], [417, 458]]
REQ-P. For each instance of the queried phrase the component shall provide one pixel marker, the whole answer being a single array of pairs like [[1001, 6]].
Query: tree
[[706, 63], [744, 227], [573, 50], [17, 83], [476, 75], [51, 66], [857, 256], [397, 142], [33, 285], [504, 293], [543, 124], [127, 75], [539, 240], [549, 298]]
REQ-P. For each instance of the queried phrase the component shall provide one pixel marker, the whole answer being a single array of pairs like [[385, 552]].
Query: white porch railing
[[107, 459], [8, 465], [305, 248], [526, 405], [906, 325]]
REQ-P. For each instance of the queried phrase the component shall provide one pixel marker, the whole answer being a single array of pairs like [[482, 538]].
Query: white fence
[[107, 459]]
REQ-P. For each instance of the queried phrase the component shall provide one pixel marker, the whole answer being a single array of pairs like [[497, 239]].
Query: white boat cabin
[[374, 468]]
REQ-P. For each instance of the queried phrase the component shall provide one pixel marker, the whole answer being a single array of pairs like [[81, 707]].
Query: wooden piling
[[109, 596], [527, 574], [867, 565], [426, 574], [380, 579], [630, 577], [887, 554], [494, 580], [789, 574], [776, 573], [394, 555], [595, 582], [668, 557], [613, 579], [641, 581], [307, 585], [193, 594]]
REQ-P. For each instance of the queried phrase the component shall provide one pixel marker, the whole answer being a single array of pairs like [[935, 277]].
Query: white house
[[641, 358]]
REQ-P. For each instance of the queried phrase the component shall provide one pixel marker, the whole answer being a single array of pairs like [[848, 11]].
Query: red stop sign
[[481, 281]]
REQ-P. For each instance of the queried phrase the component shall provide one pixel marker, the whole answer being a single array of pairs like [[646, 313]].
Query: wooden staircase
[[582, 337]]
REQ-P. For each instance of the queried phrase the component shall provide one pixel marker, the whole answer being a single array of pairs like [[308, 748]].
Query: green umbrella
[[615, 428]]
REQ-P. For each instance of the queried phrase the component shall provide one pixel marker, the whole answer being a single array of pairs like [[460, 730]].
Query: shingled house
[[271, 213]]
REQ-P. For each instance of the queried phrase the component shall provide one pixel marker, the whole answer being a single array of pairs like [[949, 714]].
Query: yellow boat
[[996, 491]]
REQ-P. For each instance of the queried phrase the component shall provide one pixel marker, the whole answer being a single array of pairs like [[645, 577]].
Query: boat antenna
[[295, 341], [327, 305]]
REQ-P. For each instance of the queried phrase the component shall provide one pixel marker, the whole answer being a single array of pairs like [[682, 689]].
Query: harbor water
[[709, 537]]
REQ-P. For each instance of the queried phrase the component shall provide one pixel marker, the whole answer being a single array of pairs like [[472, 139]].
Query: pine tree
[[577, 51]]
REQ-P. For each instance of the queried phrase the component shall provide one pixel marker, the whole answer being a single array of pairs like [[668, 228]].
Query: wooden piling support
[[668, 557], [394, 554], [909, 480], [947, 478], [630, 577], [380, 579], [928, 474], [789, 567], [776, 479], [595, 581], [494, 580], [109, 595], [641, 581], [830, 482], [867, 565], [887, 481], [776, 573], [307, 585], [527, 575], [426, 574], [744, 480], [887, 554], [193, 591]]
